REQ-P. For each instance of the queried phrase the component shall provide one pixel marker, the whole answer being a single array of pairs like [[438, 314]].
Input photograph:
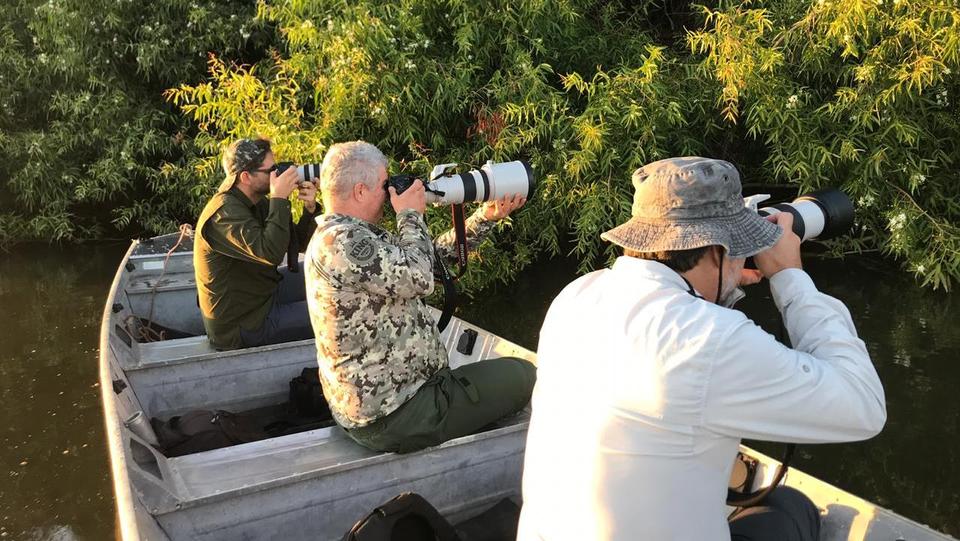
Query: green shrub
[[847, 94], [84, 129], [855, 94], [859, 95]]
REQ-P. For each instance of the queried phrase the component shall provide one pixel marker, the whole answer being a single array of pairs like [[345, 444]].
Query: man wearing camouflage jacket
[[383, 367]]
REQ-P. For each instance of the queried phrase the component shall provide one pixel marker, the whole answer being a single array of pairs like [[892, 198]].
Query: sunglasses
[[268, 170]]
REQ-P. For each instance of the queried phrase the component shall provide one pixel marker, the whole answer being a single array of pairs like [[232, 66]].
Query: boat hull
[[313, 485]]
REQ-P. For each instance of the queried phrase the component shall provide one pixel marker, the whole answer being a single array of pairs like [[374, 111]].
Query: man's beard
[[263, 189]]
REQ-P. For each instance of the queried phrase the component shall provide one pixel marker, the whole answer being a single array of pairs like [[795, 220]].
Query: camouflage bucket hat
[[686, 203], [240, 156]]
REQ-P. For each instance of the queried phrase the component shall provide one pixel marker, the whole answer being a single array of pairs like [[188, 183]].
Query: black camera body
[[403, 182], [400, 183]]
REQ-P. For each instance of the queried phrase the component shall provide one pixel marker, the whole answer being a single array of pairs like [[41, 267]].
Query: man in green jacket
[[242, 235]]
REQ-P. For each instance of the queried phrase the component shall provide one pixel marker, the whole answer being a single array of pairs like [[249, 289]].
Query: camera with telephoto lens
[[823, 214], [309, 172], [492, 181]]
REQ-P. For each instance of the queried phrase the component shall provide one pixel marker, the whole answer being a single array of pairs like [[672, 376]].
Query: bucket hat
[[691, 202]]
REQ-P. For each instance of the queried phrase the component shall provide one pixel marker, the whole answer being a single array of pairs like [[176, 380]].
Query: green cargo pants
[[451, 404]]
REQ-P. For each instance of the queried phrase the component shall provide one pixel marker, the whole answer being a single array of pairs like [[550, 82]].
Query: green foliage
[[858, 95], [849, 94], [855, 94], [84, 129], [428, 82]]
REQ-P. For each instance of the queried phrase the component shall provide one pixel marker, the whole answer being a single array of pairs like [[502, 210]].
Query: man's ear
[[359, 192], [716, 251], [243, 178]]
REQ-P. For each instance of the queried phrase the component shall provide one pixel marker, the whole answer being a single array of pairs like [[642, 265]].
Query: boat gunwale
[[123, 492], [892, 517]]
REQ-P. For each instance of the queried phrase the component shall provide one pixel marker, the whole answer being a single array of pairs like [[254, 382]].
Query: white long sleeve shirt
[[644, 391]]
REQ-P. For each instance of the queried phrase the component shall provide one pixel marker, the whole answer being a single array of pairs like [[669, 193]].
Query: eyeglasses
[[268, 170]]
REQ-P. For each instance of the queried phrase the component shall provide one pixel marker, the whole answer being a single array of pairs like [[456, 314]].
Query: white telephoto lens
[[509, 179], [824, 214], [808, 217], [309, 172], [492, 181]]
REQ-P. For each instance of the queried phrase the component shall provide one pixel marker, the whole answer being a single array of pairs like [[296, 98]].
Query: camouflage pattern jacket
[[377, 342]]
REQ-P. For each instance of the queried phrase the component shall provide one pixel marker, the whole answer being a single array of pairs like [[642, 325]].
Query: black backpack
[[306, 395], [408, 517]]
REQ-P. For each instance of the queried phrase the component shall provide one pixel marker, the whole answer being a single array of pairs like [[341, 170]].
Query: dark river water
[[53, 458]]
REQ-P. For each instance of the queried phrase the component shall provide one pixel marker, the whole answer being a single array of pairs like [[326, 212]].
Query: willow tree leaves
[[85, 130], [858, 95]]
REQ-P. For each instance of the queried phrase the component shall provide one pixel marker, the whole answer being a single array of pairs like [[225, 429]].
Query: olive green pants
[[451, 404]]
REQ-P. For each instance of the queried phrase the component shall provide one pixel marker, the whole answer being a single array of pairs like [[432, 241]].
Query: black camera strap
[[450, 296], [293, 249], [460, 229]]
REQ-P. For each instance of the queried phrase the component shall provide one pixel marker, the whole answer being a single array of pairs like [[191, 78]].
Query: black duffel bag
[[203, 430]]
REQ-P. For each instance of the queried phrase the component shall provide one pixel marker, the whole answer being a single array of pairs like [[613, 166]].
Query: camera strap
[[450, 296], [460, 229], [293, 249]]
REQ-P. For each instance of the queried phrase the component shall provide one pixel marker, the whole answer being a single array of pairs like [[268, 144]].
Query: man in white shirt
[[647, 381]]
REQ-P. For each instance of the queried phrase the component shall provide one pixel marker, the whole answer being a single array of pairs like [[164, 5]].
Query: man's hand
[[749, 277], [499, 209], [308, 194], [785, 254], [414, 197], [283, 185]]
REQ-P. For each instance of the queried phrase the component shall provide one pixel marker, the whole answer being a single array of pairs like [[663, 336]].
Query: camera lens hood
[[837, 210]]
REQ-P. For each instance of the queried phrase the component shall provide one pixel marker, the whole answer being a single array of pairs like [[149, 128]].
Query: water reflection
[[53, 533], [52, 449]]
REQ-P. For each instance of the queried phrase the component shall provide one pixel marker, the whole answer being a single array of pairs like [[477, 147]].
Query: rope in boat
[[146, 333]]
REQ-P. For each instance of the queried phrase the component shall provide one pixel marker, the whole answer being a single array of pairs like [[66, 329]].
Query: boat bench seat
[[248, 464], [145, 283], [179, 349], [289, 458], [169, 301], [198, 348]]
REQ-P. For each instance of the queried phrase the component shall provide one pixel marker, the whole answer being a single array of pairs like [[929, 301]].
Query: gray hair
[[347, 164]]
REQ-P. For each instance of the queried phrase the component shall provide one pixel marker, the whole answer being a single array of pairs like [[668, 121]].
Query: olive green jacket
[[236, 249]]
